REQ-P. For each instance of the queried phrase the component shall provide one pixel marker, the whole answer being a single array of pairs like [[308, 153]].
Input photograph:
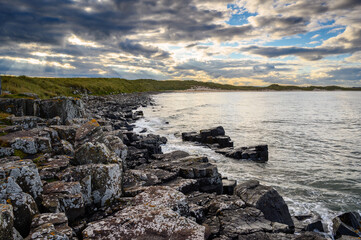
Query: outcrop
[[75, 169]]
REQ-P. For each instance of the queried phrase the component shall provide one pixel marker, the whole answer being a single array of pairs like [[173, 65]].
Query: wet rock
[[266, 199], [170, 156], [162, 196], [347, 224], [6, 221], [142, 222], [309, 236], [25, 174], [228, 186], [183, 185], [315, 226]]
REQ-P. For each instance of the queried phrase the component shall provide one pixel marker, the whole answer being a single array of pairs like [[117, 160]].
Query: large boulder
[[266, 199], [58, 220], [347, 224], [25, 174], [23, 204], [94, 153], [100, 184], [6, 221], [64, 197], [145, 222]]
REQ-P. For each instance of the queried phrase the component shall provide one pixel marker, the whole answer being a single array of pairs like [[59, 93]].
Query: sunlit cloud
[[241, 42]]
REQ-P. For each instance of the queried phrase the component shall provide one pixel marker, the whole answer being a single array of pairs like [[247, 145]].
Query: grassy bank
[[51, 87]]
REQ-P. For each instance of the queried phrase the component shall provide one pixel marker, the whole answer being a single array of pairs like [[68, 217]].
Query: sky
[[243, 42]]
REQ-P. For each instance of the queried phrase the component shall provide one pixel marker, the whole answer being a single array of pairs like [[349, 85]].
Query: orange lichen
[[8, 201]]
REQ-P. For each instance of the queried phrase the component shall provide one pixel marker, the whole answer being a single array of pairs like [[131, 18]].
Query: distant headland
[[16, 86]]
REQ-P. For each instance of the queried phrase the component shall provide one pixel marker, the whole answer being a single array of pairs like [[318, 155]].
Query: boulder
[[266, 199], [144, 222], [65, 132], [24, 206], [72, 204], [49, 167], [94, 153], [25, 144], [229, 186], [6, 152], [100, 184], [25, 174], [116, 145], [347, 224], [163, 196], [6, 221], [88, 132], [47, 231], [58, 220]]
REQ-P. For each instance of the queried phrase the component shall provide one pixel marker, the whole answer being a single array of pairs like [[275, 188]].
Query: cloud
[[310, 54], [137, 49]]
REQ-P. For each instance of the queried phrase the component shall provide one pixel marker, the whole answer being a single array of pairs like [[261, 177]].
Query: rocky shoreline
[[75, 169]]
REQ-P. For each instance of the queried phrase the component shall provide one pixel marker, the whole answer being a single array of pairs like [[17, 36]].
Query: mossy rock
[[20, 154]]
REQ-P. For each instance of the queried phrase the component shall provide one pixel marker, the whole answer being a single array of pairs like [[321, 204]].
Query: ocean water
[[314, 141]]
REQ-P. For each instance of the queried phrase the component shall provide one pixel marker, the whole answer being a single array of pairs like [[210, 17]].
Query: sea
[[314, 141]]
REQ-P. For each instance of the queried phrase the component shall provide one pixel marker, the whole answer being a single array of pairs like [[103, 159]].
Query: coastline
[[95, 136]]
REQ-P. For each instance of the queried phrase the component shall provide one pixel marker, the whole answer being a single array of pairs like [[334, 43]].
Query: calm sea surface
[[314, 141]]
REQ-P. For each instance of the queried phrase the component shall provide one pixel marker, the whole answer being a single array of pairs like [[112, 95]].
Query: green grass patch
[[4, 118]]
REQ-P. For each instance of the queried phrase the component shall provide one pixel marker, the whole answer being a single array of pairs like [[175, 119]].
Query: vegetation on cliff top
[[51, 87]]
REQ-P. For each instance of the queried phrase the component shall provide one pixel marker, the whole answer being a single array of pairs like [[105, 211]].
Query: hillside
[[51, 87]]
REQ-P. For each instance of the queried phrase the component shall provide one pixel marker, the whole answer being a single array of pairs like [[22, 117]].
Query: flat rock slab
[[144, 222], [162, 196]]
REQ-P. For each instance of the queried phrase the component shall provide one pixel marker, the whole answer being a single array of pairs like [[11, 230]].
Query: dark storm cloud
[[311, 54], [50, 21], [147, 51]]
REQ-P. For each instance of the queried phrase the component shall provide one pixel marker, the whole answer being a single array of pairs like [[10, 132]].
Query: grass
[[4, 118], [51, 87]]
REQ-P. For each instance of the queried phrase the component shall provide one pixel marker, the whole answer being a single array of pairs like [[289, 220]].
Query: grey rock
[[142, 222], [6, 221], [94, 153], [25, 174]]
